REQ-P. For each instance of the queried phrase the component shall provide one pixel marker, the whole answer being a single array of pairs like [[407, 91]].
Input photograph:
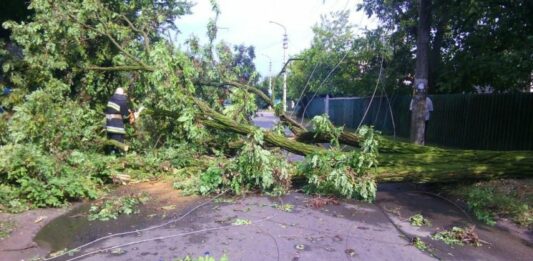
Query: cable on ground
[[159, 238], [140, 230]]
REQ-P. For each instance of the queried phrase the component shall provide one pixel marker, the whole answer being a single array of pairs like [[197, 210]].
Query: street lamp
[[285, 46]]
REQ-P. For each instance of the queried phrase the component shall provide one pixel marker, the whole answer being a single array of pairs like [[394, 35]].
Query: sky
[[247, 22]]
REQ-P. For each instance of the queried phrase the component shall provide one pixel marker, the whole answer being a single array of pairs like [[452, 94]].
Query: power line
[[306, 85], [373, 94], [325, 79]]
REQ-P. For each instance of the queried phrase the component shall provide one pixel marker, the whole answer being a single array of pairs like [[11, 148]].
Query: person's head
[[120, 91]]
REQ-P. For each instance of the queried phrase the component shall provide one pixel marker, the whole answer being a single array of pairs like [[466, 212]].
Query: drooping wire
[[390, 110], [373, 94], [305, 87], [325, 79], [329, 74]]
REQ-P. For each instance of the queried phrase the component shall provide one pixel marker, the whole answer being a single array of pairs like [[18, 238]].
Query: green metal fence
[[468, 121]]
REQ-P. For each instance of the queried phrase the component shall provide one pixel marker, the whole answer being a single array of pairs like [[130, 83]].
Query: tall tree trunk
[[421, 73], [435, 58]]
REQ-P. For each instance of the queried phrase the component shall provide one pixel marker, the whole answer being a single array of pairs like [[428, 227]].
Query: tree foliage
[[15, 10], [340, 61], [475, 46], [473, 43], [75, 53], [347, 175]]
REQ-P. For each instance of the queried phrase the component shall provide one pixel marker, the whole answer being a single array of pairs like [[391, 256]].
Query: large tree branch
[[225, 123], [111, 38], [146, 40], [121, 49], [294, 126], [252, 89]]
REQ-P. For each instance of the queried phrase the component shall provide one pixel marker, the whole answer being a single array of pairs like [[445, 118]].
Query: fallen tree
[[400, 161], [123, 44]]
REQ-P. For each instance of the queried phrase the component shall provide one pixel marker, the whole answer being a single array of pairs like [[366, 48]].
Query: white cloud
[[247, 22]]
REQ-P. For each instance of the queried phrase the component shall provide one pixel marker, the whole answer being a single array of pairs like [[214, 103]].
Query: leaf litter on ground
[[459, 236]]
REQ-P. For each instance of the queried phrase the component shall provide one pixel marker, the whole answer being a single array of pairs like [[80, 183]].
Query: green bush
[[10, 200], [210, 180], [257, 168], [333, 173], [42, 180], [31, 177], [54, 123], [154, 162], [322, 126]]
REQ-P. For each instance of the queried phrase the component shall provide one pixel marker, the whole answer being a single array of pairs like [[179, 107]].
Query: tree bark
[[454, 166], [421, 73]]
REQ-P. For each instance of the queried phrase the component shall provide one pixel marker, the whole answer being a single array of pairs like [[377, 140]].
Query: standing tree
[[421, 74], [472, 43]]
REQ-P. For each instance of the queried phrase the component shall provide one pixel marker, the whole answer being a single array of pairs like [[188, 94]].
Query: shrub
[[54, 123], [41, 179]]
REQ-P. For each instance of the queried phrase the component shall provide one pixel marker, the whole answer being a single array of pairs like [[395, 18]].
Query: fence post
[[326, 105]]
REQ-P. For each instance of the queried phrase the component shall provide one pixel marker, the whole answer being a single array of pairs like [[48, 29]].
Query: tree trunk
[[421, 74]]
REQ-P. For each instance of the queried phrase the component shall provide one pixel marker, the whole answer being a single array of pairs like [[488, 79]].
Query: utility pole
[[285, 46]]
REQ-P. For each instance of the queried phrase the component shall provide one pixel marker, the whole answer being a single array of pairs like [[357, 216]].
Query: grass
[[496, 199]]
